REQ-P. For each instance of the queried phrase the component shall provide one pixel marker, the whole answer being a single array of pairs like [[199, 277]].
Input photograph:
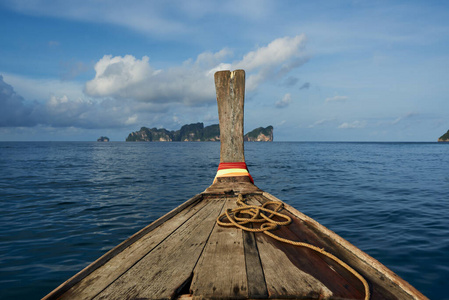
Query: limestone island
[[195, 132], [260, 135], [103, 139], [444, 137]]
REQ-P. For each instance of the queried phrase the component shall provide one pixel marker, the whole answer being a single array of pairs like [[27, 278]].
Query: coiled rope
[[257, 213]]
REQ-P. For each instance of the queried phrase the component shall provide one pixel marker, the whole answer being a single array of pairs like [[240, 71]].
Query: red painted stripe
[[235, 165]]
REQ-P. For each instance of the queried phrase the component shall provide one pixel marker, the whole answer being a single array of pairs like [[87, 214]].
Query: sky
[[75, 70]]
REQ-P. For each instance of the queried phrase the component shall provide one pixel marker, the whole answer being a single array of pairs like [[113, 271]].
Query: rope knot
[[248, 215]]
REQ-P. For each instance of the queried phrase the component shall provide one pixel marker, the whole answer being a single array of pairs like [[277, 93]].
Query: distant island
[[103, 139], [195, 132], [444, 137], [260, 135]]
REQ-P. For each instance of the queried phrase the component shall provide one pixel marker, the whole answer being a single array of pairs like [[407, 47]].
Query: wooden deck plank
[[257, 287], [220, 272], [68, 284], [336, 278], [164, 270], [384, 284], [283, 278], [98, 280]]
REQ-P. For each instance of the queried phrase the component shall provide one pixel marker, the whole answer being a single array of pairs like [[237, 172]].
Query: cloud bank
[[336, 99], [352, 125], [126, 89], [13, 110], [192, 83], [62, 111]]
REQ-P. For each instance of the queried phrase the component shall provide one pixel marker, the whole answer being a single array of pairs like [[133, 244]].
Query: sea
[[64, 204]]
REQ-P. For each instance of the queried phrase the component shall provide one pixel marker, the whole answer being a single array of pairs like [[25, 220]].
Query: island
[[260, 135], [103, 139], [195, 132], [444, 137]]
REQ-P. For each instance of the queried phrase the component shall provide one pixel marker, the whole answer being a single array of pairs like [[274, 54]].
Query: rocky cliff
[[444, 137], [260, 135], [188, 133], [103, 139], [193, 133]]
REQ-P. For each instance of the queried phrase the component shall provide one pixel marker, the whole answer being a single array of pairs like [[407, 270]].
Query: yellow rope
[[256, 212]]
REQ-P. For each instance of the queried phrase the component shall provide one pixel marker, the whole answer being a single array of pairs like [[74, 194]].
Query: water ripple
[[65, 204]]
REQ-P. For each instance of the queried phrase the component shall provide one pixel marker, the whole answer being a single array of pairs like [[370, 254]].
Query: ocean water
[[64, 204]]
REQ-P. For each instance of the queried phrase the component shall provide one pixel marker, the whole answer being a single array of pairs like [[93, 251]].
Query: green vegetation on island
[[195, 132], [188, 133], [444, 137], [260, 135]]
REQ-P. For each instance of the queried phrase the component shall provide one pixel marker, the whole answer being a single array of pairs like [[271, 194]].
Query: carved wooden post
[[230, 88]]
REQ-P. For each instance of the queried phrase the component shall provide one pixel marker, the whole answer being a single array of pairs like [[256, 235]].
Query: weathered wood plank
[[232, 185], [56, 293], [230, 87], [98, 280], [220, 272], [257, 287], [384, 283], [283, 278], [161, 273], [336, 278]]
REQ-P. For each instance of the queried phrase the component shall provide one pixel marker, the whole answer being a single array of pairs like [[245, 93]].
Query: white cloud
[[131, 120], [284, 102], [336, 99], [274, 54], [127, 90], [192, 82], [353, 125], [130, 78], [281, 123], [274, 60], [117, 75], [320, 123], [405, 117], [64, 111]]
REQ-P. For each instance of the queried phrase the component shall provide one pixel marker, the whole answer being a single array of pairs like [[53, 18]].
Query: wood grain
[[383, 282], [336, 278], [102, 277], [283, 278], [221, 272], [230, 88], [161, 272], [67, 285], [257, 287]]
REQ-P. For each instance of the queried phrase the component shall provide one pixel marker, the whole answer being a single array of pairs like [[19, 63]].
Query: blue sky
[[316, 70]]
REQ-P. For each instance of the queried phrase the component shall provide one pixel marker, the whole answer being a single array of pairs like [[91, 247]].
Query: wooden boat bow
[[185, 254]]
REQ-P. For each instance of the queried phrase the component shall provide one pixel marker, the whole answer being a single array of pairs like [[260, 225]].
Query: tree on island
[[444, 137]]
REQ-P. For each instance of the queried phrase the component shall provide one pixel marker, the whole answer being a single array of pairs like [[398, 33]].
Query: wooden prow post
[[230, 88], [232, 175]]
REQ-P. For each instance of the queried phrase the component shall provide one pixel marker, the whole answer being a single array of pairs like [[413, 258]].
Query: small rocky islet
[[195, 132], [103, 139]]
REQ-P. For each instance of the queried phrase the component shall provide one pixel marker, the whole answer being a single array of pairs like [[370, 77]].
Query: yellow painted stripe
[[225, 172], [231, 173]]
